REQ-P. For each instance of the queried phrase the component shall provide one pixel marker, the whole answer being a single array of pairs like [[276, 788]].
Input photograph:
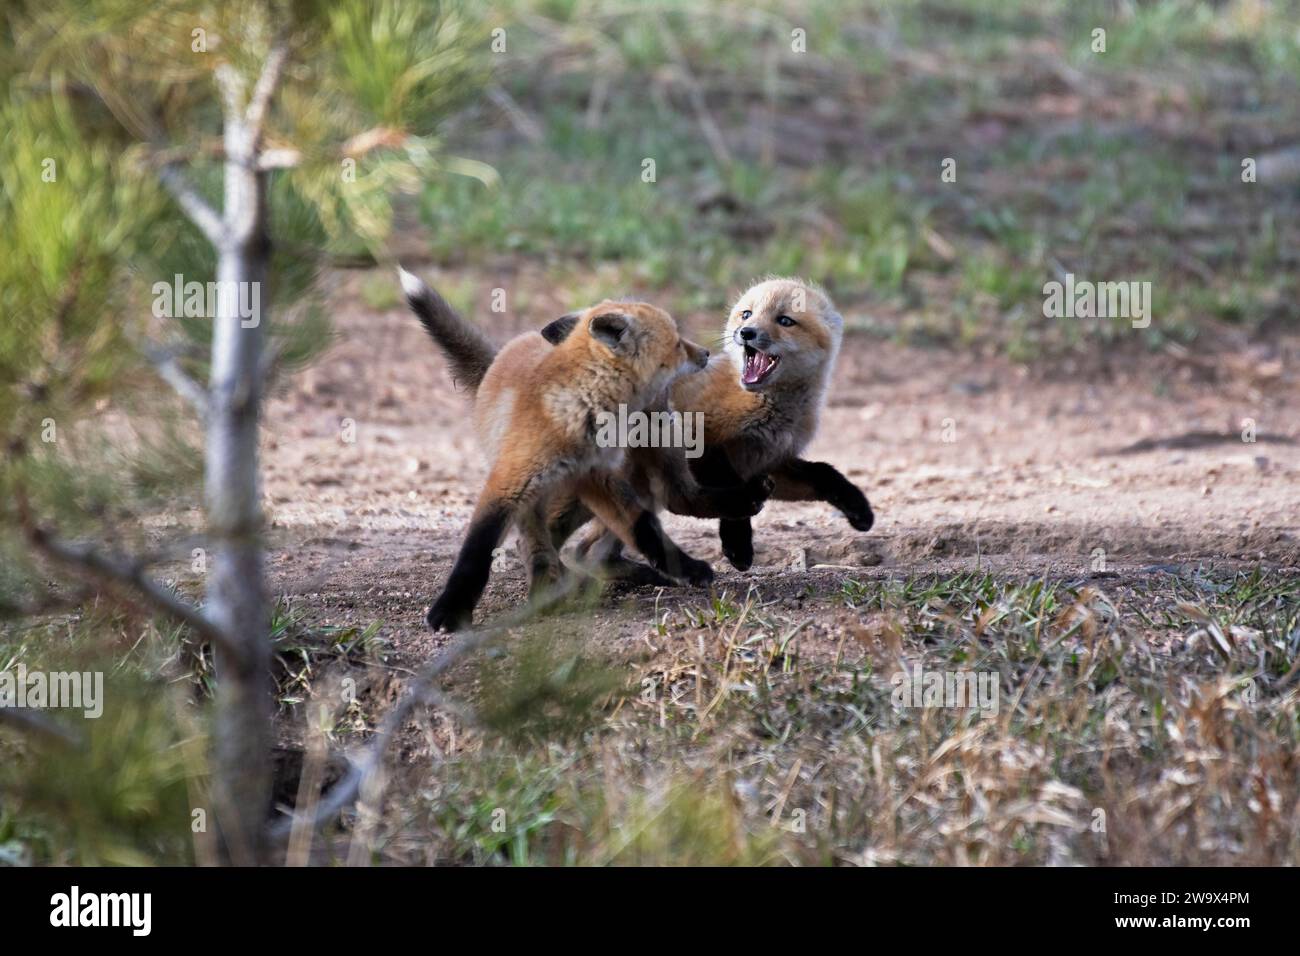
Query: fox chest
[[769, 441]]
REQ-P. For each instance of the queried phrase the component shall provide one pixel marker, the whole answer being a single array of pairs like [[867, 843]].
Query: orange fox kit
[[534, 411], [767, 391], [761, 399]]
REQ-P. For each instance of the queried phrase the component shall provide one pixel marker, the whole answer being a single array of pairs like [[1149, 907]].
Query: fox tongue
[[756, 366]]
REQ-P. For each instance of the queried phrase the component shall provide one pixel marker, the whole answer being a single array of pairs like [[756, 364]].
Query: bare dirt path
[[969, 461]]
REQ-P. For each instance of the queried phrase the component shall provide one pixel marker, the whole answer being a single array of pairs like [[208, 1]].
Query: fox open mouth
[[758, 366]]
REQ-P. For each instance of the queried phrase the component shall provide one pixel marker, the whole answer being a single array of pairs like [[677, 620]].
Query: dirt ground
[[372, 469]]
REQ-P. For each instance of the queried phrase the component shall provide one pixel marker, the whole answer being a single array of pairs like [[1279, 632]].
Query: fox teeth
[[757, 365]]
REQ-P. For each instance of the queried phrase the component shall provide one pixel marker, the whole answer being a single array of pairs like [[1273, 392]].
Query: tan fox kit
[[535, 409], [761, 399]]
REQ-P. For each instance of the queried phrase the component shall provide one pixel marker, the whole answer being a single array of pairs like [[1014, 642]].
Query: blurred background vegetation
[[105, 102], [1124, 163]]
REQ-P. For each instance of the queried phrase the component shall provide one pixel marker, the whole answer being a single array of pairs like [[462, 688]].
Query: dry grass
[[1153, 723]]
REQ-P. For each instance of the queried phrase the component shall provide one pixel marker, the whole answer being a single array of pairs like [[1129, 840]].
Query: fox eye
[[785, 320], [745, 315]]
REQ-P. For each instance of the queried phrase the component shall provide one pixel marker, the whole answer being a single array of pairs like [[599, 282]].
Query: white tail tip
[[412, 285]]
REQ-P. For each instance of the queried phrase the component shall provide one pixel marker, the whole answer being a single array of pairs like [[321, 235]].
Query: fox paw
[[739, 553], [857, 510], [444, 617], [860, 518], [696, 572]]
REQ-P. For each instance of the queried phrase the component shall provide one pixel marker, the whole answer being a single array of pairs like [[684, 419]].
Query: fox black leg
[[570, 520], [737, 539], [736, 535], [615, 503], [799, 480], [663, 554], [600, 552], [537, 549], [724, 495], [454, 607]]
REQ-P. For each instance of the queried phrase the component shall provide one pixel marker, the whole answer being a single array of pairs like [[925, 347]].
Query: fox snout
[[697, 354], [754, 338]]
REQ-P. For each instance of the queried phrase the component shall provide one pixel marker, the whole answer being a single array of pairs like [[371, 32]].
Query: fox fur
[[762, 396], [535, 406]]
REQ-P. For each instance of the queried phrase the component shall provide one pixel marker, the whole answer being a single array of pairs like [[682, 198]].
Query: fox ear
[[609, 328], [557, 331]]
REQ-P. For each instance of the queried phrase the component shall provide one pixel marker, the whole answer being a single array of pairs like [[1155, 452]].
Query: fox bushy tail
[[468, 352]]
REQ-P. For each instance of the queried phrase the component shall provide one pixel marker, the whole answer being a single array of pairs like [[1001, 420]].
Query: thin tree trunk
[[236, 593]]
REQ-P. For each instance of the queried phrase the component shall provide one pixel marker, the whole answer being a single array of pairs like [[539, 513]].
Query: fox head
[[783, 333], [638, 337]]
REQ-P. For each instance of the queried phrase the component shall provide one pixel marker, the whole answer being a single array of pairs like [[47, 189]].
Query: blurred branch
[[245, 122], [524, 124], [46, 604], [378, 137], [280, 158], [363, 773], [39, 725], [131, 574], [169, 370], [362, 779], [194, 205], [231, 85], [263, 90]]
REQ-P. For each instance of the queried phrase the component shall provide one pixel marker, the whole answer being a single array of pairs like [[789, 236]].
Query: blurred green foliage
[[1105, 164], [98, 96]]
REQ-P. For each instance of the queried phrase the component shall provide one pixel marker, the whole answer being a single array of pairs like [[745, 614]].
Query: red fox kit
[[761, 399], [764, 395], [535, 409]]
